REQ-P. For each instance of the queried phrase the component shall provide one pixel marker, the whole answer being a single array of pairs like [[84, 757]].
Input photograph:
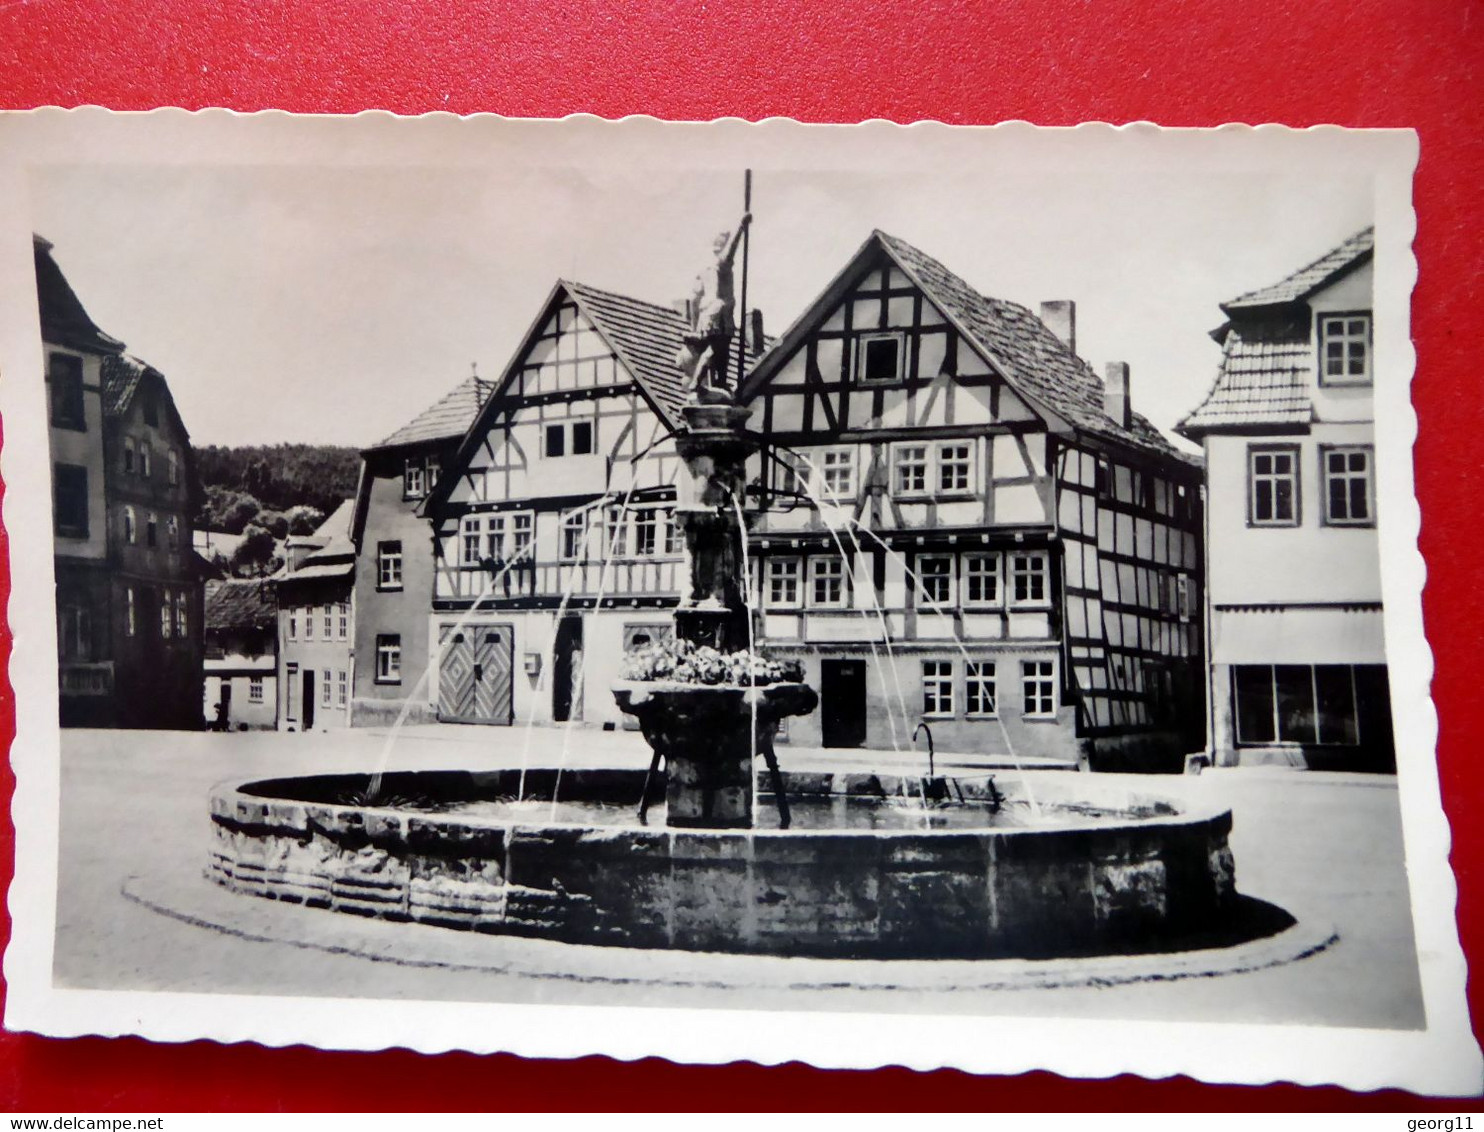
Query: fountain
[[843, 864]]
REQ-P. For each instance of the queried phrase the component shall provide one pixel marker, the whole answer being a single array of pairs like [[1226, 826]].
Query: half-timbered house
[[966, 526], [1298, 658], [554, 545]]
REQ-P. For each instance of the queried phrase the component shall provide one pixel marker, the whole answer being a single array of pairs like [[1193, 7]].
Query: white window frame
[[975, 677], [862, 342], [968, 462], [471, 539], [938, 689], [172, 458], [1367, 475], [522, 533], [293, 624], [291, 693], [309, 622], [328, 613], [167, 617], [1337, 328], [342, 688], [948, 580], [923, 465], [131, 526], [846, 456], [129, 455], [818, 573], [414, 477], [388, 565], [343, 614], [574, 524], [785, 570], [254, 689], [647, 519], [326, 693], [145, 453], [1292, 476], [1043, 573], [996, 571], [131, 615], [172, 533], [182, 618], [388, 658], [1038, 683]]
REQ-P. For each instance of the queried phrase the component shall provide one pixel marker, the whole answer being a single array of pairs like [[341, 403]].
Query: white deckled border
[[1443, 1058]]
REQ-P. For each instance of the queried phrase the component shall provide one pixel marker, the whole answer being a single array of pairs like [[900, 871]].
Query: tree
[[276, 522], [304, 520], [241, 511], [254, 553]]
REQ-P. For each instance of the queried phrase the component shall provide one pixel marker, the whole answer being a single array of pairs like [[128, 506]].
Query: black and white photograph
[[865, 595]]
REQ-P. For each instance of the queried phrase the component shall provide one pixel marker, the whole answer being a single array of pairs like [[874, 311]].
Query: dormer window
[[1345, 349], [879, 358]]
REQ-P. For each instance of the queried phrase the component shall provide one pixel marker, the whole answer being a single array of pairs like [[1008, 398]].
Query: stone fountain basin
[[1106, 870]]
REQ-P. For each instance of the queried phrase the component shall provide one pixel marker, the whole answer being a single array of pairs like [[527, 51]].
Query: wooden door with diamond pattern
[[474, 674]]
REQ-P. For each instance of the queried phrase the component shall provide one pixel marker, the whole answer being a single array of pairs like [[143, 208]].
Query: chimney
[[755, 337], [1060, 317], [1115, 394]]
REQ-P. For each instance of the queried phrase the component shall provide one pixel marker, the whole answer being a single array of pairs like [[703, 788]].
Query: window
[[556, 440], [979, 687], [254, 689], [783, 582], [167, 621], [574, 535], [128, 456], [1272, 487], [172, 533], [494, 536], [982, 579], [131, 526], [151, 530], [935, 578], [617, 533], [309, 622], [64, 375], [389, 565], [1296, 703], [329, 615], [389, 658], [1038, 682], [74, 633], [646, 532], [793, 474], [344, 626], [1185, 596], [470, 526], [1028, 579], [131, 619], [879, 358], [181, 621], [414, 478], [326, 693], [582, 438], [1347, 486], [342, 689], [837, 471], [70, 500], [827, 581], [937, 687], [910, 469], [1345, 349], [955, 466], [522, 528], [144, 460], [172, 459], [291, 700]]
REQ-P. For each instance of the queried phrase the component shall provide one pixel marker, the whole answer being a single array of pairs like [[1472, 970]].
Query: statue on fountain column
[[705, 358]]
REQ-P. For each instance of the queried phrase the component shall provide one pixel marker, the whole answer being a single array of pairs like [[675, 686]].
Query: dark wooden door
[[842, 702], [308, 683], [566, 669]]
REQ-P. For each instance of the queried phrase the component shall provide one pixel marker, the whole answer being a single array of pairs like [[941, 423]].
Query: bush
[[304, 520], [276, 522], [681, 662], [254, 553]]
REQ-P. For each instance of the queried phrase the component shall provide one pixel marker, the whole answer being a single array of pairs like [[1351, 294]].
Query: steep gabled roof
[[645, 337], [123, 376], [239, 603], [64, 321], [448, 418], [1310, 278], [1011, 340]]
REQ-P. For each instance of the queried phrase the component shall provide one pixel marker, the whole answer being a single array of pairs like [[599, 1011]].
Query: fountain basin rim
[[230, 792]]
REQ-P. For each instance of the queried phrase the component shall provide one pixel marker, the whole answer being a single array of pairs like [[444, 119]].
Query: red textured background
[[1356, 63]]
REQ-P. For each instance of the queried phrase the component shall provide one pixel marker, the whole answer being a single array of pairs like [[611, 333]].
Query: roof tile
[[448, 418], [1308, 279]]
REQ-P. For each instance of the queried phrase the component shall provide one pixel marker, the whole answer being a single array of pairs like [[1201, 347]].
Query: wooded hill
[[238, 484]]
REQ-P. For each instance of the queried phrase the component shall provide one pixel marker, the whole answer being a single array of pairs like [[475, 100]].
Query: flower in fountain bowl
[[681, 662]]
